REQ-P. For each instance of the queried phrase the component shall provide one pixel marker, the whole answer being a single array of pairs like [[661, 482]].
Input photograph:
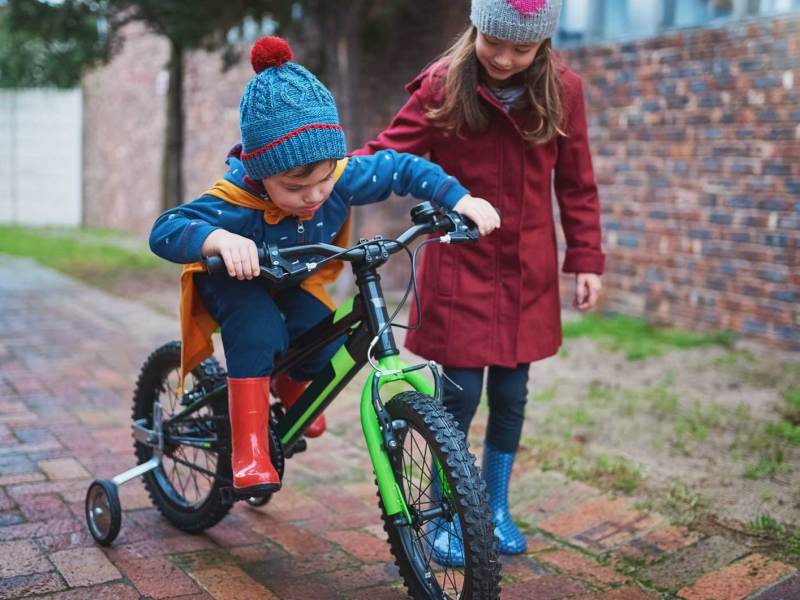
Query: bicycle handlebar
[[427, 219]]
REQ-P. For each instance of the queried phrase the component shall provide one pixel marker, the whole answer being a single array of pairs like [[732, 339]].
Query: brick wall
[[696, 138], [124, 120]]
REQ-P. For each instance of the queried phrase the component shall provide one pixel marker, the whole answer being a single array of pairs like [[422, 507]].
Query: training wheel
[[103, 511]]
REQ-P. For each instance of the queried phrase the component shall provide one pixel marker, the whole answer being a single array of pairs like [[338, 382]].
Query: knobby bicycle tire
[[481, 572], [161, 365]]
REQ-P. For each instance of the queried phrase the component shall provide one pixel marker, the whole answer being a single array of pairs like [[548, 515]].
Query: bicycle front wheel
[[437, 476]]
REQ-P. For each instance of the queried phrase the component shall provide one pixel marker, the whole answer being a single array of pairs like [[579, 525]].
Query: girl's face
[[301, 193], [502, 59]]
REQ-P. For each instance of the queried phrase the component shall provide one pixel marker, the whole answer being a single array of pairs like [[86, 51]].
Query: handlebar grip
[[472, 228], [216, 266]]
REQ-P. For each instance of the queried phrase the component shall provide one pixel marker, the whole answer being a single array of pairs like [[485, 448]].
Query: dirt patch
[[697, 423]]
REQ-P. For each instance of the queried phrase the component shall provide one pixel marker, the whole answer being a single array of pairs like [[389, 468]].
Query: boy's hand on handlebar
[[239, 253], [480, 211]]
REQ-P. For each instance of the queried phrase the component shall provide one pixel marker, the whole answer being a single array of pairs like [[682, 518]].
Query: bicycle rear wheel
[[186, 487], [432, 437]]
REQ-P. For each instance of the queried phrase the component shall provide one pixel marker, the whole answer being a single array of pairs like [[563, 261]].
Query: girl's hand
[[480, 211], [239, 253], [587, 290]]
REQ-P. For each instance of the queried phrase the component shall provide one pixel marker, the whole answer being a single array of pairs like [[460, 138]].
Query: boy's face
[[301, 191], [503, 59]]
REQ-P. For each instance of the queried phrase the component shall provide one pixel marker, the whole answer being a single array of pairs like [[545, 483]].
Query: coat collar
[[490, 98], [237, 188], [438, 72]]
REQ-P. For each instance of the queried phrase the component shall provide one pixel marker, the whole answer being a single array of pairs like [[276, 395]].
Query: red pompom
[[269, 51]]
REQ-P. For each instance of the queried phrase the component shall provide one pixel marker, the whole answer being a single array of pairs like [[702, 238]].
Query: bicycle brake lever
[[463, 230], [278, 268]]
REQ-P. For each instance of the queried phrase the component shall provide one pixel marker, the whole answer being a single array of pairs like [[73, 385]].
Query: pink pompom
[[527, 7], [269, 51]]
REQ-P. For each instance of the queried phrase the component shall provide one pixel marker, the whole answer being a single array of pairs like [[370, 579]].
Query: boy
[[287, 183]]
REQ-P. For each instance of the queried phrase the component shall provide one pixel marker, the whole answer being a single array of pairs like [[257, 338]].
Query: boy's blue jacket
[[241, 206], [179, 233]]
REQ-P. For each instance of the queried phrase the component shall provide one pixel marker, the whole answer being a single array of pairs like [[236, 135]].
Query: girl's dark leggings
[[507, 390]]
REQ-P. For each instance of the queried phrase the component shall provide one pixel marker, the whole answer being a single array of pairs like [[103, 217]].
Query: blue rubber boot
[[445, 539], [445, 536], [497, 473]]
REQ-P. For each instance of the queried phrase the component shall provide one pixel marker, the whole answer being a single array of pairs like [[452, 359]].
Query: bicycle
[[426, 476]]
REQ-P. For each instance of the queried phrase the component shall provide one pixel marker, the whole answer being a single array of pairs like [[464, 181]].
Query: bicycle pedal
[[230, 495], [300, 445]]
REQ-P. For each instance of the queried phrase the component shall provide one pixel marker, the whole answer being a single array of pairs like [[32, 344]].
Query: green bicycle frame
[[357, 320]]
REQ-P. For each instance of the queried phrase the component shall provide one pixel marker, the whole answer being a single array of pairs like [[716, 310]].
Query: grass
[[546, 395], [607, 472], [564, 420], [791, 406], [769, 464], [682, 505], [696, 424], [769, 445], [116, 262], [786, 539], [732, 359], [637, 339], [93, 255], [663, 401], [599, 395]]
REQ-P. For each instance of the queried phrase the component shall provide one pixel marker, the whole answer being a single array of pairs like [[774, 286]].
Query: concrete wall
[[40, 157]]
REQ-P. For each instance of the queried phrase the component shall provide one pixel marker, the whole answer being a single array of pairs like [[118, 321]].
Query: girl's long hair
[[462, 107]]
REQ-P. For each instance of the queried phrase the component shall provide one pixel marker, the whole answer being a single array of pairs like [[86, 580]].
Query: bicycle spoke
[[414, 464], [194, 476], [190, 474], [418, 473]]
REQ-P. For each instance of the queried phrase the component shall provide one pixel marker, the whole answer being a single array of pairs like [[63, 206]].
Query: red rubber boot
[[248, 407], [288, 391]]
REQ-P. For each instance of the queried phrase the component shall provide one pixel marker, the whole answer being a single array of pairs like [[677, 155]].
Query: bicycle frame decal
[[342, 311], [342, 364]]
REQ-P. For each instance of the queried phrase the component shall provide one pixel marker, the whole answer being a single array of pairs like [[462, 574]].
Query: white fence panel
[[41, 157]]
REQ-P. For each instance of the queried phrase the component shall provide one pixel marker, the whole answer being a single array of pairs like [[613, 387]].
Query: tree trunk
[[339, 26], [172, 160], [348, 60]]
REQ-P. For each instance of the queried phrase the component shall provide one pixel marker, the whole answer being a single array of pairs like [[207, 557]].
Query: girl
[[499, 112]]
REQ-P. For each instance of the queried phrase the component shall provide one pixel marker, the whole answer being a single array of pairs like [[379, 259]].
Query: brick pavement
[[68, 360]]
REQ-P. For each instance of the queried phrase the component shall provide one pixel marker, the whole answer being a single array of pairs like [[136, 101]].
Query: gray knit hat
[[523, 21]]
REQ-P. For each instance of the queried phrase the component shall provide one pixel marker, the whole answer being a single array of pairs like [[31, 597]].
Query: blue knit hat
[[521, 21], [286, 116]]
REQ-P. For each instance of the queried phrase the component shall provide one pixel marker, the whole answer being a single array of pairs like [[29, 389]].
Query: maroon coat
[[497, 302]]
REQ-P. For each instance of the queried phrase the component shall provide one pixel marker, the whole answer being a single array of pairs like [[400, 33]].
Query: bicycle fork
[[379, 429]]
